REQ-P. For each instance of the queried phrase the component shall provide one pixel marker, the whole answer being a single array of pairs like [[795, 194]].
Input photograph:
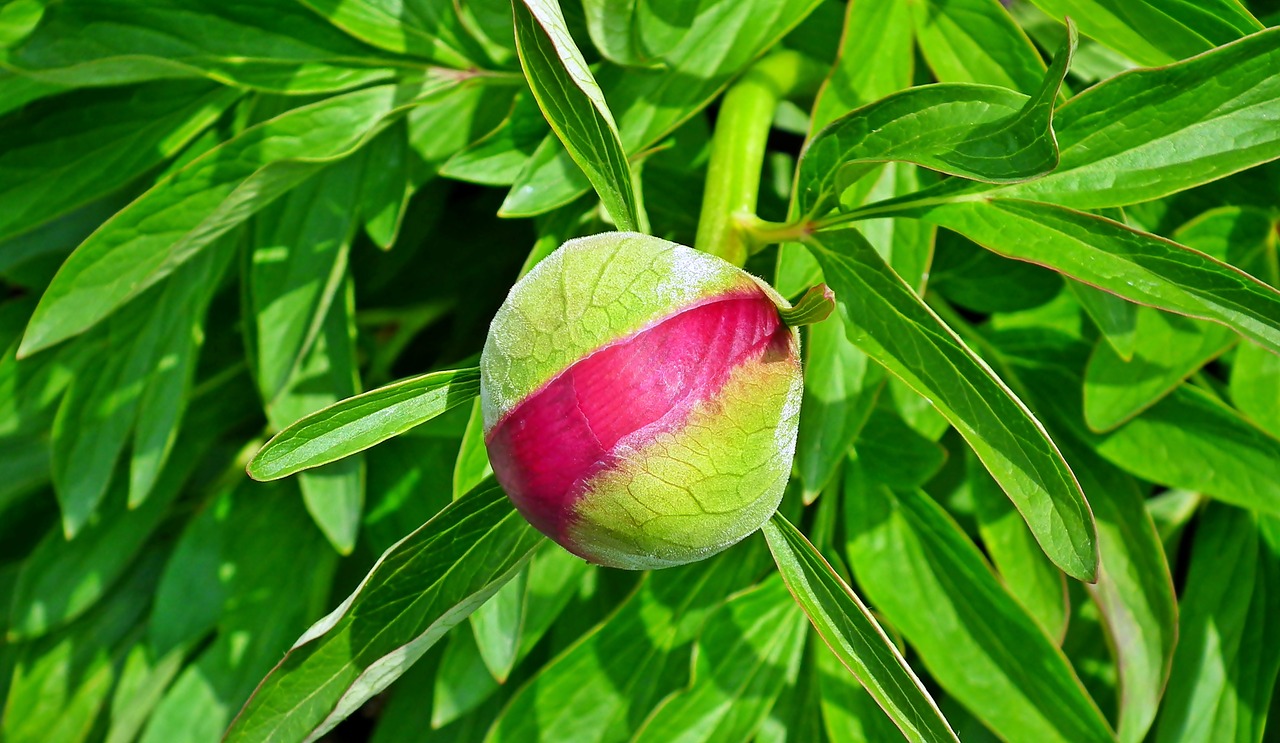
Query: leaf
[[840, 391], [604, 685], [853, 635], [244, 548], [1150, 133], [615, 31], [893, 453], [357, 423], [1167, 349], [574, 106], [849, 713], [699, 61], [496, 626], [1134, 591], [1135, 265], [749, 648], [182, 214], [976, 41], [933, 585], [1024, 570], [1116, 319], [388, 185], [272, 46], [463, 681], [890, 323], [1191, 440], [61, 682], [985, 133], [143, 681], [101, 406], [1255, 386], [472, 465], [75, 149], [497, 159], [1224, 670], [1154, 32], [417, 591], [423, 28]]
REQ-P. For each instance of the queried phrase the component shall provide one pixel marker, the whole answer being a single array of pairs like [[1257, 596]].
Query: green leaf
[[245, 549], [497, 159], [496, 626], [61, 682], [143, 681], [182, 214], [422, 28], [273, 46], [1224, 670], [699, 59], [1151, 133], [101, 406], [357, 423], [854, 636], [1154, 32], [463, 682], [886, 319], [1191, 440], [417, 591], [615, 31], [574, 106], [1168, 349], [1027, 574], [976, 41], [748, 650], [977, 642], [72, 150], [980, 132], [1116, 319], [472, 465], [840, 390], [893, 453], [1135, 265], [1134, 591], [604, 685], [1255, 386], [849, 713], [388, 185]]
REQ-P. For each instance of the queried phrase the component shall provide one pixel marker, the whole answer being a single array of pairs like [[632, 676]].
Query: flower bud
[[641, 400]]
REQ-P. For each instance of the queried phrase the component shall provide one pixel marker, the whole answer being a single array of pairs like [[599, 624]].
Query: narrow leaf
[[418, 590], [574, 106], [933, 584], [854, 636], [886, 319], [357, 423]]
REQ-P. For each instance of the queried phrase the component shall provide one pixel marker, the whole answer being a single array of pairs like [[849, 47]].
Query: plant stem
[[737, 151]]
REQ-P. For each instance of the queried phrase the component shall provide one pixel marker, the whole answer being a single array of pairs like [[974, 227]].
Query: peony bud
[[641, 400]]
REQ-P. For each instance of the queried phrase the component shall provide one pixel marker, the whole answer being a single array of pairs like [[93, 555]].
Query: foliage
[[1036, 494]]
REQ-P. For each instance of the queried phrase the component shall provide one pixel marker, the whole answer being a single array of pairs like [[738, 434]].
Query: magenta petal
[[546, 448]]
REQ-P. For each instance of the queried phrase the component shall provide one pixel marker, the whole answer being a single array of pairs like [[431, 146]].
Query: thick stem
[[737, 151]]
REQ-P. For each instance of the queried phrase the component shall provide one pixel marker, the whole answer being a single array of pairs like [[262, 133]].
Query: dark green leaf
[[496, 160], [274, 46], [854, 636], [893, 453], [886, 319], [362, 421], [419, 589], [933, 585], [73, 150], [574, 106]]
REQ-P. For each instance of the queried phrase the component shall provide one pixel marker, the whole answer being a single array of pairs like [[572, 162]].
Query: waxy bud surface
[[641, 400]]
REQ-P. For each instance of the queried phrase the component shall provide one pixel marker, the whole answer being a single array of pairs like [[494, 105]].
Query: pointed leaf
[[885, 318], [854, 636]]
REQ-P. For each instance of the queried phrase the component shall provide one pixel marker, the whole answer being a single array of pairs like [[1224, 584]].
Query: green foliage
[[1036, 493]]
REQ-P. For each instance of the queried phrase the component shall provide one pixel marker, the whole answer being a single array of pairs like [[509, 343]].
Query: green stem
[[737, 151]]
